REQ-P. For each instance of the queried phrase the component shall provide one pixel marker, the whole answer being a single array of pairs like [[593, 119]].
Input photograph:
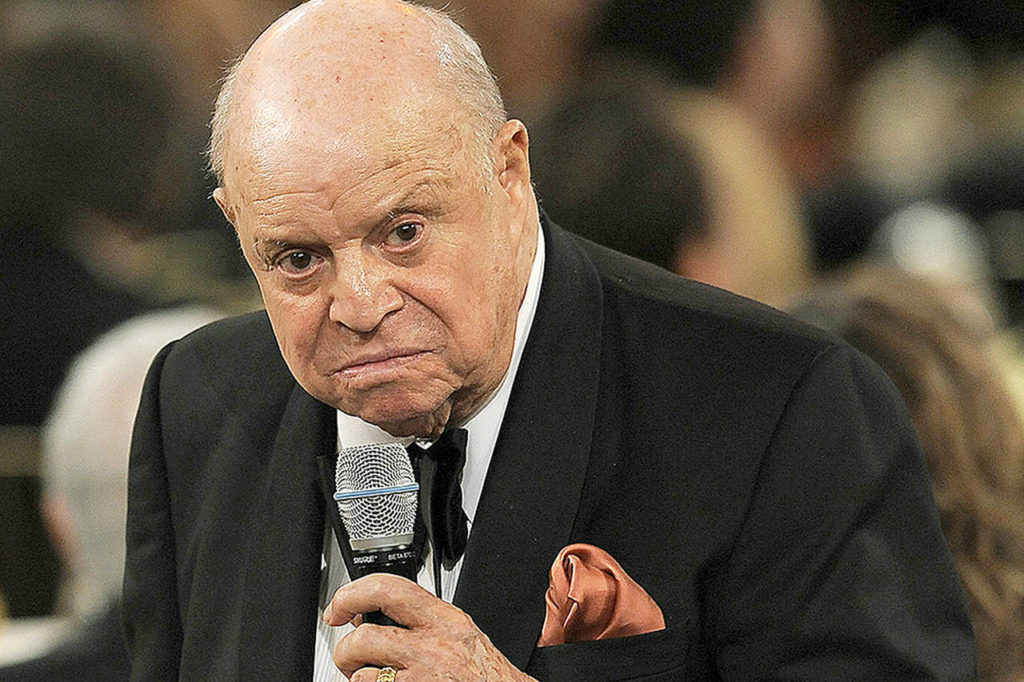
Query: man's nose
[[362, 296]]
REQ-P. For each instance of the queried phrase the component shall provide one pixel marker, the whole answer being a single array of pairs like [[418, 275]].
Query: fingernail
[[327, 612]]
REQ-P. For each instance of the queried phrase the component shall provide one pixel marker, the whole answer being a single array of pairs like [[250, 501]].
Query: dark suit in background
[[760, 480]]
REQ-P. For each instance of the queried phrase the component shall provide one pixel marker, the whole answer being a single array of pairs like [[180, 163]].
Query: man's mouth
[[379, 363]]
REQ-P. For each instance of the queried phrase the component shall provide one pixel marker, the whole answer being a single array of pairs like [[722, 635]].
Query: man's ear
[[222, 200], [511, 149]]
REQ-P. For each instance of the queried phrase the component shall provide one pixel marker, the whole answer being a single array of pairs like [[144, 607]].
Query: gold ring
[[386, 674]]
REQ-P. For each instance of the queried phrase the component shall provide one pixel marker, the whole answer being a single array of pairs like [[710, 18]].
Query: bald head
[[329, 70]]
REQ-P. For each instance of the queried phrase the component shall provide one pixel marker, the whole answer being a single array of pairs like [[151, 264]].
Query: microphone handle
[[394, 560]]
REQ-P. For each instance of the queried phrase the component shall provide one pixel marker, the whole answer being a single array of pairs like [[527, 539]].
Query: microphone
[[376, 492]]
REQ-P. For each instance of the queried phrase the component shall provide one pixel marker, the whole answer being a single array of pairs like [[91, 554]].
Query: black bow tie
[[439, 472]]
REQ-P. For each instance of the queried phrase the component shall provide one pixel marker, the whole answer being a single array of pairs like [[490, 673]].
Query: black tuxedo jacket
[[760, 480]]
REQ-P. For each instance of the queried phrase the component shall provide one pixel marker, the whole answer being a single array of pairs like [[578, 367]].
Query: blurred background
[[860, 164]]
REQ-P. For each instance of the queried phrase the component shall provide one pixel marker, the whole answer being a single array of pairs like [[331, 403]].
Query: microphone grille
[[376, 520]]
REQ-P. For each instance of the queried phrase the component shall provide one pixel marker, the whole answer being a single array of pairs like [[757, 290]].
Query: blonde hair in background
[[945, 365]]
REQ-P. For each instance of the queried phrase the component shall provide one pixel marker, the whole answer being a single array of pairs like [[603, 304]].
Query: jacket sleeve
[[150, 597], [841, 571]]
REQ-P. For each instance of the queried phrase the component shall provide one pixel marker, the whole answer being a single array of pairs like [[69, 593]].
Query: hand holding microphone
[[377, 498], [437, 640]]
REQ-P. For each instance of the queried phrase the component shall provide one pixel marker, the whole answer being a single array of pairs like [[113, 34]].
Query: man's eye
[[404, 234], [297, 262]]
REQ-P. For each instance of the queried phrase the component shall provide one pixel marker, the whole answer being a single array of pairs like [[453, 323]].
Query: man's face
[[392, 276]]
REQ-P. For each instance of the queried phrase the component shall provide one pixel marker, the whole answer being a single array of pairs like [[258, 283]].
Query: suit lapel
[[285, 545], [532, 490]]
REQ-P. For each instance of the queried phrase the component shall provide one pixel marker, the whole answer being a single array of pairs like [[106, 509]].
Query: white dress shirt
[[482, 430]]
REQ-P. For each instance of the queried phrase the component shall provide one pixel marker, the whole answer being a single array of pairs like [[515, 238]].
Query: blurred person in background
[[84, 471], [88, 134], [84, 131], [798, 67], [185, 251], [772, 58], [872, 106], [673, 176], [101, 151], [935, 121], [947, 367], [931, 114], [200, 37]]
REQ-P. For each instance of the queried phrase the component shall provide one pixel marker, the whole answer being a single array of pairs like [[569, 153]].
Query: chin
[[401, 413]]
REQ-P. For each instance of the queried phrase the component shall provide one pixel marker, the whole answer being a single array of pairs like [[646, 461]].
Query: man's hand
[[438, 642]]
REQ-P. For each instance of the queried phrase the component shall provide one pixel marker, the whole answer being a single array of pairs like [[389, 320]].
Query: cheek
[[483, 324], [296, 324]]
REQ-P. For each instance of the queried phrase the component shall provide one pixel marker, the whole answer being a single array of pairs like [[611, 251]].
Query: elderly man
[[758, 482]]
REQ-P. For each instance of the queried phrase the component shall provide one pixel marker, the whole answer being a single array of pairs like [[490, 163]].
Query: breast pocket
[[655, 656]]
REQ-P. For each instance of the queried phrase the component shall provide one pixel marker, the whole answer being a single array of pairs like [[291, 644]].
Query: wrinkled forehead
[[281, 152]]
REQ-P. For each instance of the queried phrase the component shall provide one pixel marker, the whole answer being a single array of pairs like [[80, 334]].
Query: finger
[[373, 646], [400, 599]]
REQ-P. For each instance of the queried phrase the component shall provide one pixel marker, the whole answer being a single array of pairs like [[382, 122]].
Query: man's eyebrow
[[265, 247], [412, 199]]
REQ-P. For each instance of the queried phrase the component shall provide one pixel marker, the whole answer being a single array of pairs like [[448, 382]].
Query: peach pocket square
[[590, 597]]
